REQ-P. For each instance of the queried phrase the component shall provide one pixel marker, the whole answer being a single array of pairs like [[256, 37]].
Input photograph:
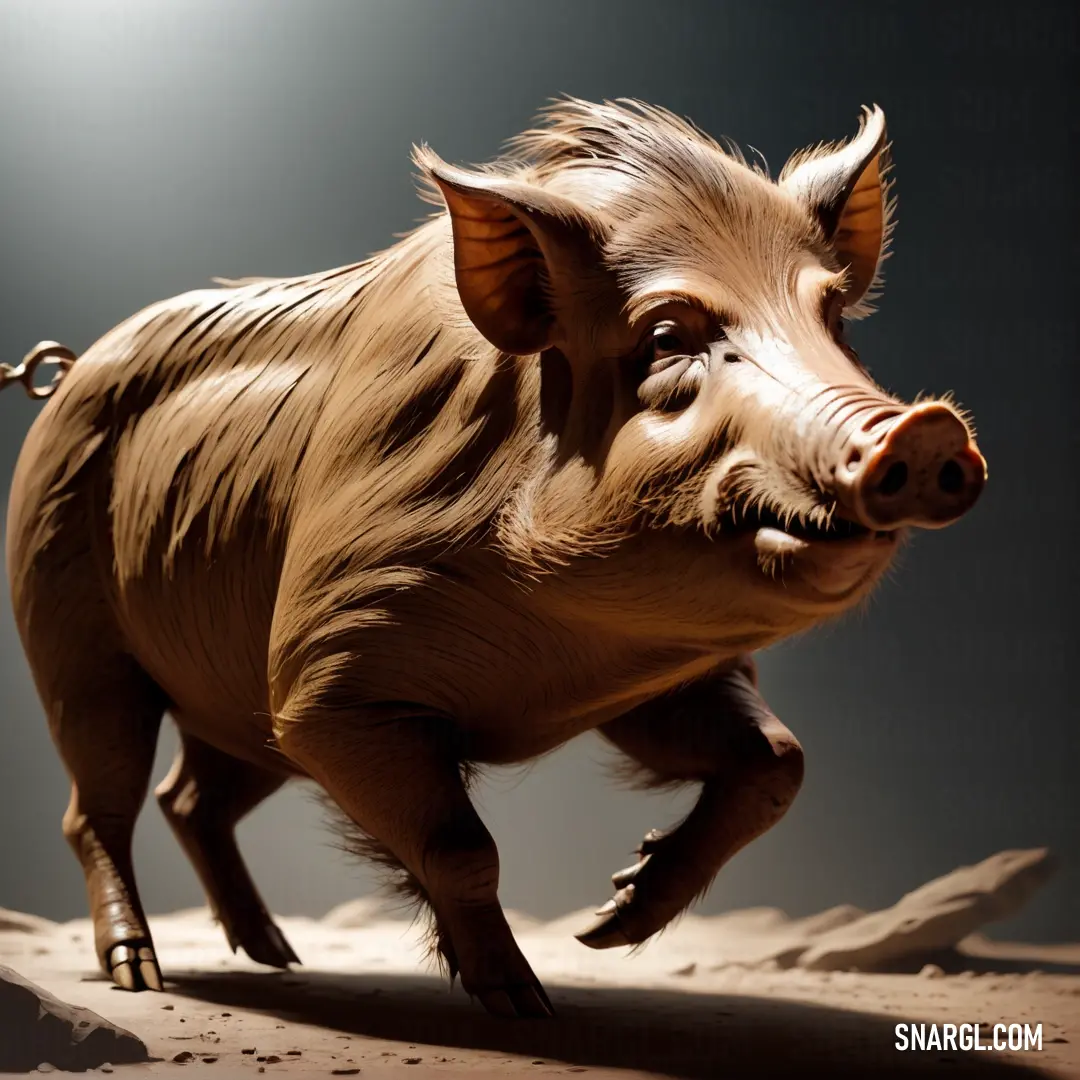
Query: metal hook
[[45, 352]]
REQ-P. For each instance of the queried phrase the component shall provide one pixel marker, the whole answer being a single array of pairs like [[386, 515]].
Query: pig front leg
[[718, 732], [397, 775]]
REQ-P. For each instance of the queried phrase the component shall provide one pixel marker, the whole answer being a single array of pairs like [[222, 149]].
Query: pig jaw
[[795, 550], [825, 525]]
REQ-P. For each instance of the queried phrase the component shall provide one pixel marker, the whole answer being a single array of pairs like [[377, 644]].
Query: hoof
[[621, 878], [265, 944], [608, 931], [664, 882], [135, 967]]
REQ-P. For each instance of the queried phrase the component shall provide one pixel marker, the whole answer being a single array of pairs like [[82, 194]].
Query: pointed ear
[[845, 189], [524, 258]]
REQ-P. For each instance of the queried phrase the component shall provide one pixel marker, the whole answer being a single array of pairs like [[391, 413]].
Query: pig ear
[[522, 255], [845, 188]]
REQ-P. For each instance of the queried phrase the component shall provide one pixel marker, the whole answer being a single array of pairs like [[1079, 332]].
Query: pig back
[[158, 483]]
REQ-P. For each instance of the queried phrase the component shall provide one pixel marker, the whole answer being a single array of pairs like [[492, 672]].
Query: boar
[[558, 461]]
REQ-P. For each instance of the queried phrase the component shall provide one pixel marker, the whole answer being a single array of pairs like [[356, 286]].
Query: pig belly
[[238, 736], [210, 699]]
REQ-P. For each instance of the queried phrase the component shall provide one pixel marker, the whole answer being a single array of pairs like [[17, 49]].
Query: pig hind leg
[[717, 732], [105, 725], [400, 782], [204, 797]]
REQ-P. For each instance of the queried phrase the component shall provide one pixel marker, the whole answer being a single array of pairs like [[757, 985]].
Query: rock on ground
[[936, 916], [22, 923], [36, 1027]]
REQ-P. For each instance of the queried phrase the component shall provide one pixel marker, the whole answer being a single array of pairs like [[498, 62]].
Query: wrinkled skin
[[559, 461]]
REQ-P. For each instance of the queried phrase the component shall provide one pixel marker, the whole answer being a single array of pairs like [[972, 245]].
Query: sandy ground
[[685, 1006]]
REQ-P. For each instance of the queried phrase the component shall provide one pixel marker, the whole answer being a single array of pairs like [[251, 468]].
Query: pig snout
[[918, 467]]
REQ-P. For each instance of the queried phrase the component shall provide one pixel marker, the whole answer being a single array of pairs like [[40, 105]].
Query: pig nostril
[[951, 477], [894, 479], [854, 458]]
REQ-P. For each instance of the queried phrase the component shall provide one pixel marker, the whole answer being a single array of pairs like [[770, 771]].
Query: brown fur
[[339, 533]]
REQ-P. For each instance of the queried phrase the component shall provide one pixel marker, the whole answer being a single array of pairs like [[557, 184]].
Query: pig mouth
[[825, 559], [762, 518]]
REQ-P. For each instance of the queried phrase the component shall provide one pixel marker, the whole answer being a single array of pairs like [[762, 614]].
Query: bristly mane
[[648, 142], [644, 142], [660, 151], [625, 134]]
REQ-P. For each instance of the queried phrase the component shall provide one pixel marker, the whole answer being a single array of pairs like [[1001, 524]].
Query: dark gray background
[[147, 147]]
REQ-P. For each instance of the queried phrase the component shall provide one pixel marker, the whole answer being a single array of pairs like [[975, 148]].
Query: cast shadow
[[690, 1036]]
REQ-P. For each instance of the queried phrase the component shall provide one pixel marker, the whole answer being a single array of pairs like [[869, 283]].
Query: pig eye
[[666, 342], [673, 369]]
